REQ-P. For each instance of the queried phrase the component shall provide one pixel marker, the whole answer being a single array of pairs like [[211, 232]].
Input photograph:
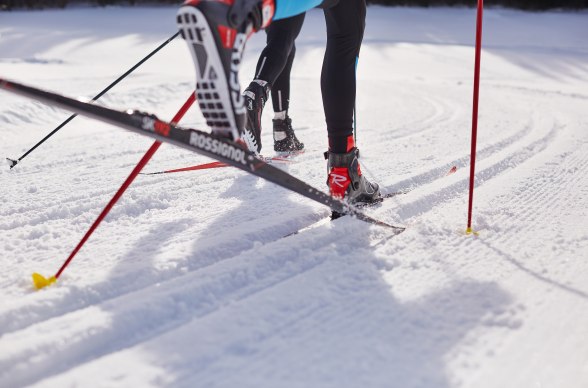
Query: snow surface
[[188, 282]]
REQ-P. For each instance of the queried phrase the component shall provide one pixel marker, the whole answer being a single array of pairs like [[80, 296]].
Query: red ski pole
[[39, 280], [475, 111]]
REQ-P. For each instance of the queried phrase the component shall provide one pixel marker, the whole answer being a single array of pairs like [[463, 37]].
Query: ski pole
[[39, 280], [209, 165], [475, 112], [14, 162], [204, 166]]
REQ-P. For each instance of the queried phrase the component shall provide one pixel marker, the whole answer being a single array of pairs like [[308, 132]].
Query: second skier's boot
[[285, 140], [255, 97]]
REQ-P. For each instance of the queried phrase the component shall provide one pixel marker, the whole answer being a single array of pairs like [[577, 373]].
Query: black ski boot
[[255, 97], [346, 182], [285, 140]]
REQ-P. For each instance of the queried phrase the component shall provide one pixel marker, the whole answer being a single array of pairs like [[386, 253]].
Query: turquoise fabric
[[288, 8]]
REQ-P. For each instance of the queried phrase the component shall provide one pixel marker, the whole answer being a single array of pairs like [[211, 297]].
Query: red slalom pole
[[475, 111], [39, 280]]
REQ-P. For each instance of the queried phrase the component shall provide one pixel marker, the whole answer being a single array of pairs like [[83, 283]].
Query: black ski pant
[[275, 62], [345, 26]]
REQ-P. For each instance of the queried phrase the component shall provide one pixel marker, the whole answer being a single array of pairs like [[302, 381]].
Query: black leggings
[[345, 26], [275, 62]]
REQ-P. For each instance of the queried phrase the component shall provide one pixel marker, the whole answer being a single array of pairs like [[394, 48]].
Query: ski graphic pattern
[[203, 143]]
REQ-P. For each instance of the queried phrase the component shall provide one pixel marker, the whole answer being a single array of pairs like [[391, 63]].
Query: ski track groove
[[93, 202], [244, 280], [144, 278], [536, 194], [435, 173], [10, 324], [484, 174], [441, 115], [328, 316], [170, 278], [535, 91], [534, 202], [416, 181]]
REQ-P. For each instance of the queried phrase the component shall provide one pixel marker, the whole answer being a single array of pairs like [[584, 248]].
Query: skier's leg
[[281, 85], [345, 27], [274, 59], [285, 139]]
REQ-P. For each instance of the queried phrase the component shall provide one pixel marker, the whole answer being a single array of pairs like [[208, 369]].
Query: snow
[[188, 282]]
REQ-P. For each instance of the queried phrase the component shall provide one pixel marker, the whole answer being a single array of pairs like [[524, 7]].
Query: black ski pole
[[14, 162]]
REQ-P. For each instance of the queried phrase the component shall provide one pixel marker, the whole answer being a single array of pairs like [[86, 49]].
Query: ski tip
[[452, 170], [40, 281], [11, 162]]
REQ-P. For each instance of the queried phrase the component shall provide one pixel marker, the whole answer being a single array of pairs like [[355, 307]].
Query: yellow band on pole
[[471, 231]]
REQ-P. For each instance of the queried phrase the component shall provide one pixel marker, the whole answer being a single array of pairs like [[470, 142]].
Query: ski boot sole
[[219, 103]]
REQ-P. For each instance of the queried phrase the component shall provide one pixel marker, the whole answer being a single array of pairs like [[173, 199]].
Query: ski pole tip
[[471, 231], [11, 162], [41, 281]]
